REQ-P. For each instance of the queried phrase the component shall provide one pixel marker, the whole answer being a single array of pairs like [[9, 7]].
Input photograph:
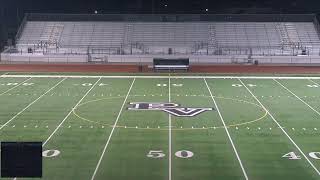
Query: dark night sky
[[12, 11], [145, 6]]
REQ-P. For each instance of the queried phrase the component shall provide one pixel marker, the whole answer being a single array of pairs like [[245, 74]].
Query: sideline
[[166, 77]]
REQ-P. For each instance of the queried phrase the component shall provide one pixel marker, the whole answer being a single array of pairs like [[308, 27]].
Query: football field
[[166, 127]]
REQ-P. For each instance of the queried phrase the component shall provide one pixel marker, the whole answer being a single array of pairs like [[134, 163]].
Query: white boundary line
[[170, 134], [165, 77], [297, 97], [111, 133], [66, 117], [15, 86], [312, 165], [2, 126], [227, 131]]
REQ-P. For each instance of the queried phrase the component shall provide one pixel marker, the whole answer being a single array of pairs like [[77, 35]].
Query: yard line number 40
[[294, 156]]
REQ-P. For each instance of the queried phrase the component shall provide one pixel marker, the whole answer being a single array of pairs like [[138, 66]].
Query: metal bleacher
[[230, 37], [76, 35], [247, 35], [267, 38], [93, 34], [198, 37], [161, 36]]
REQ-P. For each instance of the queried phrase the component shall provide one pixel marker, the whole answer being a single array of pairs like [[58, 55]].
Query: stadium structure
[[213, 39], [248, 109]]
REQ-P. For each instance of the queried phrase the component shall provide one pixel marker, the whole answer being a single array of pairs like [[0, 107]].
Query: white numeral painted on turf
[[27, 84], [177, 85], [312, 85], [15, 84], [184, 154], [86, 84], [102, 84], [12, 84], [240, 85], [156, 154], [291, 155], [50, 153], [251, 85], [163, 85], [315, 155], [159, 154]]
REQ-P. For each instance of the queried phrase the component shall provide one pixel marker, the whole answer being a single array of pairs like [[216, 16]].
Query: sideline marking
[[15, 86], [297, 97], [165, 77], [111, 133], [227, 131], [170, 132], [69, 113], [281, 128], [31, 104]]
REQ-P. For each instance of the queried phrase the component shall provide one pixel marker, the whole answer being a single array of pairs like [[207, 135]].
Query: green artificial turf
[[264, 120]]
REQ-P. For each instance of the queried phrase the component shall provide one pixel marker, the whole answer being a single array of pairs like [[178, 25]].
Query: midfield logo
[[170, 108]]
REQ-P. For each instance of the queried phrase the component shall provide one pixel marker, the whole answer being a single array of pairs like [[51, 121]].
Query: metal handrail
[[21, 27]]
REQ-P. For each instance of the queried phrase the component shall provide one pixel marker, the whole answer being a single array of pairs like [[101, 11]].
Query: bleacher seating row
[[219, 38]]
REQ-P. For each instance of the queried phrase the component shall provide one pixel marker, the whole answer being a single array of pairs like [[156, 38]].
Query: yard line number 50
[[156, 154]]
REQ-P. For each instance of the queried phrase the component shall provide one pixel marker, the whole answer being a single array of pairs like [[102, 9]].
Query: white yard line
[[165, 77], [297, 97], [31, 104], [170, 134], [15, 86], [292, 141], [66, 117], [227, 131], [111, 133], [35, 101]]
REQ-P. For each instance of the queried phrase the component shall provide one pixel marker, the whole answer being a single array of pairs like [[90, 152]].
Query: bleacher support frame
[[22, 25]]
